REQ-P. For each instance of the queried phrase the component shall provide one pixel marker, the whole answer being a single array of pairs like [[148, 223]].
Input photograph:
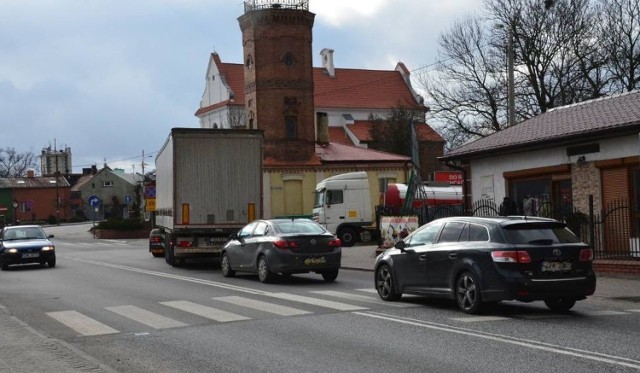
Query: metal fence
[[613, 233]]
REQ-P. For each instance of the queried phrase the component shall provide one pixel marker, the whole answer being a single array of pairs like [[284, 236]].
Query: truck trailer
[[208, 186]]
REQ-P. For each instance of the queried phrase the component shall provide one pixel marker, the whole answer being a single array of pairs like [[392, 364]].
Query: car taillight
[[511, 256], [586, 255], [335, 243], [155, 239], [284, 244]]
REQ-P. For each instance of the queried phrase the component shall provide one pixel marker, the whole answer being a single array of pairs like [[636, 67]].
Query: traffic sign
[[127, 199], [94, 201]]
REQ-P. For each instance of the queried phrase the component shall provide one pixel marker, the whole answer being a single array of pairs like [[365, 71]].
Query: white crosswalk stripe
[[317, 302], [205, 311], [81, 323], [603, 313], [479, 318], [263, 306], [540, 316], [360, 298], [368, 290], [636, 310], [145, 317]]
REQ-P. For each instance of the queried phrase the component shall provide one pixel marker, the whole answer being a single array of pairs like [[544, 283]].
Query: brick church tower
[[278, 76]]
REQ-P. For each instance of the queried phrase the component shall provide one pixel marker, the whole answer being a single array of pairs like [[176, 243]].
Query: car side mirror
[[233, 236], [50, 236], [400, 245]]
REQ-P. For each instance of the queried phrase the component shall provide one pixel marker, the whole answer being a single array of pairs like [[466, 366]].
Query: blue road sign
[[127, 199], [94, 201]]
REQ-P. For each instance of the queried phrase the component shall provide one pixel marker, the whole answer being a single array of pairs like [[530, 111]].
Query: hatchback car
[[475, 261], [284, 246], [25, 244], [156, 242]]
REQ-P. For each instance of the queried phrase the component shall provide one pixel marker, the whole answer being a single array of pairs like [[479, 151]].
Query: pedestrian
[[508, 207], [527, 205]]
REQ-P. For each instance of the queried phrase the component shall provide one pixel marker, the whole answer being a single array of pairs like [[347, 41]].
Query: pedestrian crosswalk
[[163, 315]]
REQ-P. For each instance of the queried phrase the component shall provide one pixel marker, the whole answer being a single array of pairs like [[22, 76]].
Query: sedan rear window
[[298, 226], [539, 234]]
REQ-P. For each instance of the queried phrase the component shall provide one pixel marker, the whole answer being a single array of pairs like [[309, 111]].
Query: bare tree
[[565, 51], [467, 89], [14, 164], [620, 32]]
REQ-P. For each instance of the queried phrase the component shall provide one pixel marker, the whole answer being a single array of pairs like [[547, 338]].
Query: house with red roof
[[580, 160], [316, 120]]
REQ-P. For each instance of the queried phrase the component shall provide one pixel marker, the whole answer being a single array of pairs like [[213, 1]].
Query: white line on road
[[81, 323], [316, 302], [358, 297], [204, 311], [603, 313], [480, 318], [368, 290], [637, 310], [263, 306], [146, 317], [548, 347]]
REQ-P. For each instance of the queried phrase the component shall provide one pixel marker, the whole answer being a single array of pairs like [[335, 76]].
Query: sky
[[110, 78]]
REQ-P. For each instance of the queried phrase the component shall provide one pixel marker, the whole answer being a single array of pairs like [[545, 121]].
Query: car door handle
[[453, 256], [423, 257]]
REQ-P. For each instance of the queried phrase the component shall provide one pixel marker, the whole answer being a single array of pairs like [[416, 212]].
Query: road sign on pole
[[94, 201]]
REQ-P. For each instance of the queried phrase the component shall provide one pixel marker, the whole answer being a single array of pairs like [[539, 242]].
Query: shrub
[[121, 224]]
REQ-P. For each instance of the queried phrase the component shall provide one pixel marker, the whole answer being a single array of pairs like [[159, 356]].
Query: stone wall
[[585, 181]]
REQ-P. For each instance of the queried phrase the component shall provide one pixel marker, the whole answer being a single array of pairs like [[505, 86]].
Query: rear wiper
[[544, 241]]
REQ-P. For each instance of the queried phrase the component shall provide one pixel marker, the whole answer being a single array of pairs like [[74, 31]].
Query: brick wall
[[617, 267], [585, 181]]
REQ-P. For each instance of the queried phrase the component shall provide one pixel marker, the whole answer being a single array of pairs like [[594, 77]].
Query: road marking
[[263, 306], [603, 313], [480, 318], [316, 302], [146, 317], [538, 316], [205, 311], [638, 310], [368, 290], [81, 323], [360, 298], [548, 347]]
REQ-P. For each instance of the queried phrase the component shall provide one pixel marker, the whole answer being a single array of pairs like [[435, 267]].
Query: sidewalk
[[363, 257]]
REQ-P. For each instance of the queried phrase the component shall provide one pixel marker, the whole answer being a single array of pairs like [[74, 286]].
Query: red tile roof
[[334, 152], [362, 130], [338, 135], [349, 88]]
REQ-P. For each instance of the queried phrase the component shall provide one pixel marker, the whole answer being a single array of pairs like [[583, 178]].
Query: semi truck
[[343, 204], [208, 186]]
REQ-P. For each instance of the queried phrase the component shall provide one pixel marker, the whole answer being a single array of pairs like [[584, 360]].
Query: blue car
[[24, 244]]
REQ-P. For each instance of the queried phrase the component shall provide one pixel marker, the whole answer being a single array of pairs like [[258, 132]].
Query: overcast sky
[[110, 78]]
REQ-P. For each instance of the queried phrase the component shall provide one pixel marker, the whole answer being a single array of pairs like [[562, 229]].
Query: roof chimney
[[327, 61]]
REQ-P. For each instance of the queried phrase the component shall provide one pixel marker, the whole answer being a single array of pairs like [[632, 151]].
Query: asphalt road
[[113, 301]]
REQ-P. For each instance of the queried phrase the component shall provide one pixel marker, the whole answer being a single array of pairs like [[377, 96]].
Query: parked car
[[475, 261], [156, 242], [24, 244], [284, 246]]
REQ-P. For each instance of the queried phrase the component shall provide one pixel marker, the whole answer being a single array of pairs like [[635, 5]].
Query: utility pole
[[511, 85]]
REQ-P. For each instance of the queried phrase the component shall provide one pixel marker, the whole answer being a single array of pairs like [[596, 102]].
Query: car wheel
[[52, 262], [3, 265], [264, 273], [225, 266], [468, 294], [157, 255], [348, 237], [330, 276], [560, 304], [385, 285]]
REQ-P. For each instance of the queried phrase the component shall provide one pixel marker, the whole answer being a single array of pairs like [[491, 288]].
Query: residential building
[[34, 198]]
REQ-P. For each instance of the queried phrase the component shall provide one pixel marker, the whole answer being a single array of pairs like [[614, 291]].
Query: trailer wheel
[[348, 236], [169, 256]]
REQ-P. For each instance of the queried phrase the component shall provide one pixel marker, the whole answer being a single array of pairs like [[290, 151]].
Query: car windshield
[[298, 226], [539, 234], [24, 234]]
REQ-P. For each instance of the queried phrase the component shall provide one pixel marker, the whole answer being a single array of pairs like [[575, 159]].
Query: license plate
[[30, 255], [548, 266], [312, 261]]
